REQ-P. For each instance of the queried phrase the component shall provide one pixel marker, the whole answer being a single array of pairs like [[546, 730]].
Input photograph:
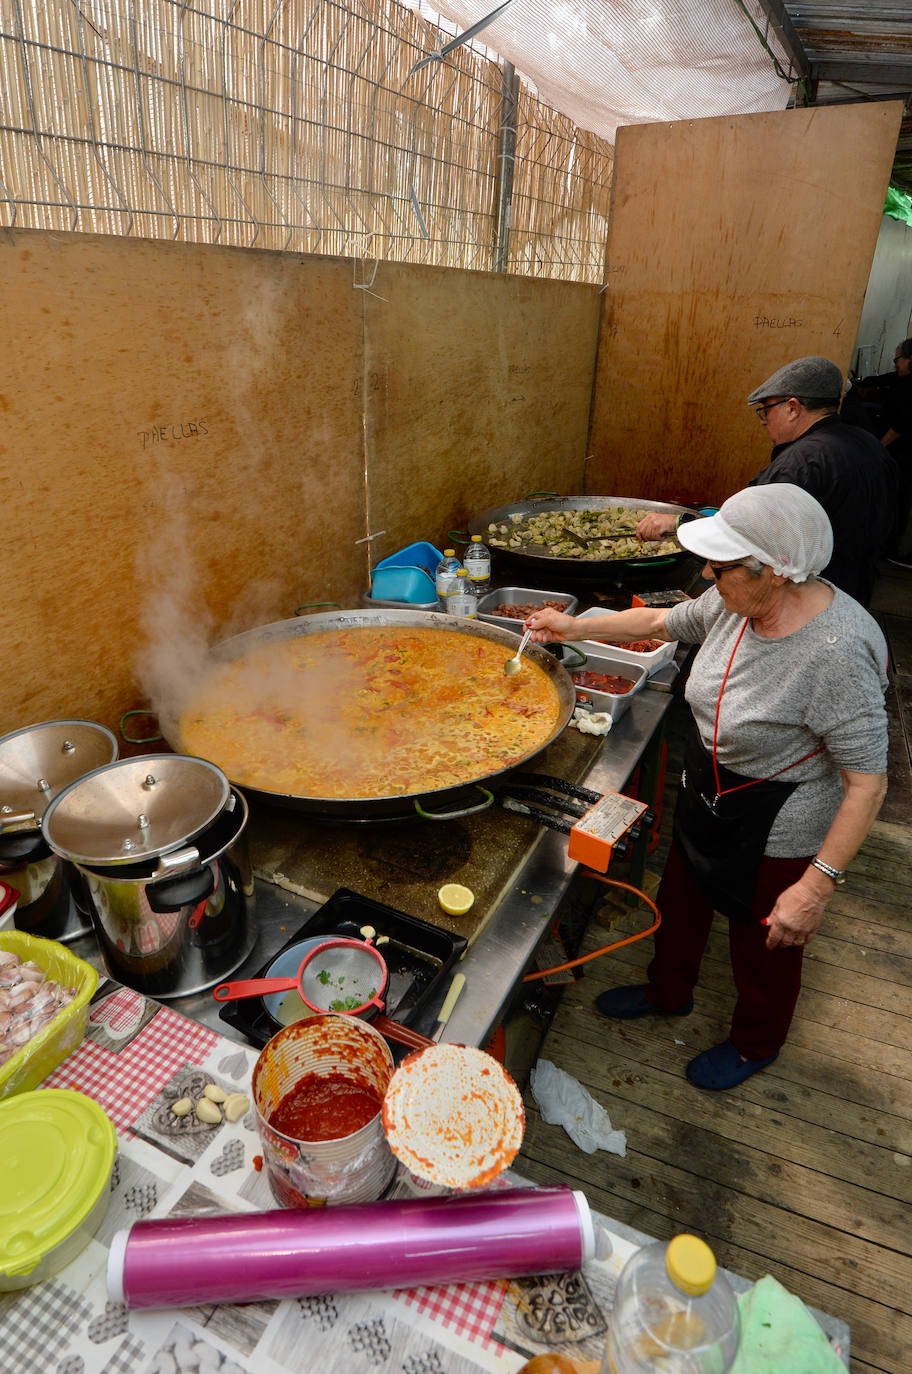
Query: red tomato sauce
[[325, 1108], [603, 682], [636, 646]]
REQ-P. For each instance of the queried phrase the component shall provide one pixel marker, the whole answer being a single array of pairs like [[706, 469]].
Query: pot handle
[[455, 815], [402, 1035], [544, 496], [18, 820], [170, 894], [252, 987], [23, 847], [145, 739], [583, 658]]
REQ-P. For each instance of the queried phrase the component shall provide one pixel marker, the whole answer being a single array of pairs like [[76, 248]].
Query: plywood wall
[[478, 391], [177, 426], [735, 245], [195, 440]]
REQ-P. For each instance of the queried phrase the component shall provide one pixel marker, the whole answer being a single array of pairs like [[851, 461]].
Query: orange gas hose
[[605, 949]]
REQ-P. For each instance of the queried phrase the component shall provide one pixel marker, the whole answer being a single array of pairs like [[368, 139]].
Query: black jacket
[[856, 481]]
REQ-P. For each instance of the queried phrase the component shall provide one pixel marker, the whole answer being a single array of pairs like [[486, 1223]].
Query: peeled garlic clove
[[214, 1092], [236, 1106], [207, 1111], [183, 1107]]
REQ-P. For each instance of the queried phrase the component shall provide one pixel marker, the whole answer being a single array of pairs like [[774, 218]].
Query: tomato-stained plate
[[453, 1116]]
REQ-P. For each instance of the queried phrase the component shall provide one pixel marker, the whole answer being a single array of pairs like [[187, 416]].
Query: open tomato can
[[318, 1089]]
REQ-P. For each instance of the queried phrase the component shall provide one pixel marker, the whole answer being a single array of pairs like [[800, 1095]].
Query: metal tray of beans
[[509, 606]]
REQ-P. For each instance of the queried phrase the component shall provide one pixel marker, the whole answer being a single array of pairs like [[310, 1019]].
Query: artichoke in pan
[[600, 534]]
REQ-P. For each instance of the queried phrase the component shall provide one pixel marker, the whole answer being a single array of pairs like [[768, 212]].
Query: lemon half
[[455, 899]]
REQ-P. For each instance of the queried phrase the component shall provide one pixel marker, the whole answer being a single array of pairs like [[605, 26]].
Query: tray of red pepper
[[603, 682]]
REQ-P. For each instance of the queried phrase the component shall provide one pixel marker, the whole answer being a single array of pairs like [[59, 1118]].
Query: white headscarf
[[781, 524]]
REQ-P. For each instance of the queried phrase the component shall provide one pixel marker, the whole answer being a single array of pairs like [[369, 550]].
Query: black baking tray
[[419, 957]]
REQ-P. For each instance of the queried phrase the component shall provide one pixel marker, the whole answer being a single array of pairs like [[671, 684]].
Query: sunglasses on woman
[[717, 569]]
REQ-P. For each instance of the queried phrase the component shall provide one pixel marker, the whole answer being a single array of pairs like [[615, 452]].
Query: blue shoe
[[627, 1002], [722, 1067]]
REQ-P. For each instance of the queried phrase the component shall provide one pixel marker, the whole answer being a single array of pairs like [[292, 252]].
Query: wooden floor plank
[[770, 1155], [682, 1174], [880, 979], [868, 1039], [864, 1106], [853, 943], [630, 1065]]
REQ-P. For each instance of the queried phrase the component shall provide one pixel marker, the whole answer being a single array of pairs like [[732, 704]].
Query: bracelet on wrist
[[837, 874]]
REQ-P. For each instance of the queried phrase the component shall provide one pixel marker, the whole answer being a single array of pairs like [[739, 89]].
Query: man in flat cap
[[846, 468]]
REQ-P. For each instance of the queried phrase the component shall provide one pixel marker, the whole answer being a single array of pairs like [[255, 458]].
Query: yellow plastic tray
[[35, 1060]]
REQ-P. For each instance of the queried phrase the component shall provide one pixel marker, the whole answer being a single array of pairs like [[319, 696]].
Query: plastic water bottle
[[462, 599], [445, 576], [673, 1312], [477, 560]]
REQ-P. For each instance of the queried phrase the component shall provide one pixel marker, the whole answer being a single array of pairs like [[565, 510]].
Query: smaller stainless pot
[[170, 886], [36, 763]]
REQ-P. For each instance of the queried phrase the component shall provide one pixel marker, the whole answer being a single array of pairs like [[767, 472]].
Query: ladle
[[513, 665]]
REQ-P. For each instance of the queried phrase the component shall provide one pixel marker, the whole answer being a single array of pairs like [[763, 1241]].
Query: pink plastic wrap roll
[[290, 1253]]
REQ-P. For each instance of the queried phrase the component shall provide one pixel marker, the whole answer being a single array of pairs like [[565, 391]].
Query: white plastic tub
[[651, 662]]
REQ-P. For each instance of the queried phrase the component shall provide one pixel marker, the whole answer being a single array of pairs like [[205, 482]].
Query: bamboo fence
[[306, 126]]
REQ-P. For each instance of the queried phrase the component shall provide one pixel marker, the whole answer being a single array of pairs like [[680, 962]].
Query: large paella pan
[[539, 533], [371, 714]]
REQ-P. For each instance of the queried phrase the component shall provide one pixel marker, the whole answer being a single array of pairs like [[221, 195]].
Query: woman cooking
[[784, 771]]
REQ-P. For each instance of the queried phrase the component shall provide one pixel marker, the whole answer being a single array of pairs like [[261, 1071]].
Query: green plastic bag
[[780, 1336]]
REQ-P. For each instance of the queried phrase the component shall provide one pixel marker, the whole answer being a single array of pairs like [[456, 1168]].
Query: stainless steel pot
[[543, 562], [455, 799], [36, 764], [161, 846]]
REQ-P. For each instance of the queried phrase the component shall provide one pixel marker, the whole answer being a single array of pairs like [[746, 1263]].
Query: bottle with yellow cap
[[674, 1312]]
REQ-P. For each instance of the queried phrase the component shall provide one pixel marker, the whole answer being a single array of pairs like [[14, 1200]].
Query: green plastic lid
[[57, 1148], [690, 1264]]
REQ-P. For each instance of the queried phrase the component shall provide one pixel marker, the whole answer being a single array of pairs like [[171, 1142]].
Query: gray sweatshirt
[[822, 684]]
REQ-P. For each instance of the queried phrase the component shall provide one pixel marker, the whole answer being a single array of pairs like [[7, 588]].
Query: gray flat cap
[[814, 378]]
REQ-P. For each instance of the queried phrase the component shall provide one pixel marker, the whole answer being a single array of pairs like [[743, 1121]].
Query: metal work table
[[495, 961], [510, 931]]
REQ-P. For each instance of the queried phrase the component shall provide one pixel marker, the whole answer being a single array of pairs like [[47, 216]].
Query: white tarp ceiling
[[603, 63]]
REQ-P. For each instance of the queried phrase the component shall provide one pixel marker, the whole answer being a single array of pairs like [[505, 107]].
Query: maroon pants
[[768, 981]]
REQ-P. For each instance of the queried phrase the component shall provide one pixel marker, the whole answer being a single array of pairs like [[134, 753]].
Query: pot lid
[[135, 808], [38, 762], [57, 1148]]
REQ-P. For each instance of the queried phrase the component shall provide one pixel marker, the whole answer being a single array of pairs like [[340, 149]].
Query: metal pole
[[506, 155]]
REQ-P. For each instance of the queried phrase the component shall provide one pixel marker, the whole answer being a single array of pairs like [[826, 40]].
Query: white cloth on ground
[[565, 1102]]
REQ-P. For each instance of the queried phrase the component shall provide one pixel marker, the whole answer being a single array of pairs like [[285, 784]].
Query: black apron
[[722, 834]]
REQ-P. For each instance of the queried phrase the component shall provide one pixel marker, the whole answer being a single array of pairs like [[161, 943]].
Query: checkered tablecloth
[[125, 1082], [124, 1070], [137, 1057], [471, 1309]]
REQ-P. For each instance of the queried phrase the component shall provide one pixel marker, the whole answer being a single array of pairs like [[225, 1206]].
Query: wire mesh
[[307, 126]]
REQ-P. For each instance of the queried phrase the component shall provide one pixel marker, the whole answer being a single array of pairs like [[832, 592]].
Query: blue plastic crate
[[397, 583], [420, 555]]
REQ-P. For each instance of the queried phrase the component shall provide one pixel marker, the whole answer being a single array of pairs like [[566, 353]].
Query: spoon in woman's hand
[[513, 664]]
